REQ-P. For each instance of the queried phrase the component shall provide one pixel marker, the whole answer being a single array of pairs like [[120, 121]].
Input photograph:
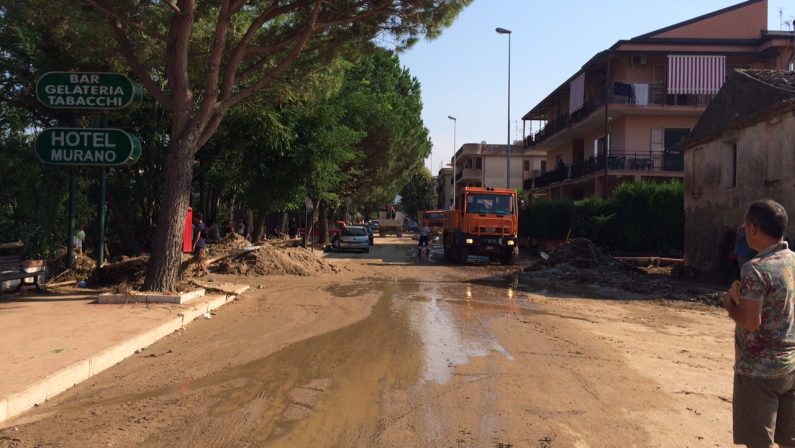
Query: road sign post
[[99, 91], [87, 147], [102, 147]]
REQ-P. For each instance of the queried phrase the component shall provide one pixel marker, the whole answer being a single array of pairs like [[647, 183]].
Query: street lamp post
[[508, 176], [455, 122]]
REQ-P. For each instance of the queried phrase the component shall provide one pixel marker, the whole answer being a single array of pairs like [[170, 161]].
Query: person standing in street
[[199, 231], [425, 235], [743, 251], [79, 237], [764, 311]]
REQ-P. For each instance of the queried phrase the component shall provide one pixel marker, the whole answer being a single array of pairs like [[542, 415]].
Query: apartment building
[[621, 117], [444, 189], [484, 165]]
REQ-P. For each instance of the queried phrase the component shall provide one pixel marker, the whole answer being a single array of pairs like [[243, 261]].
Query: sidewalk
[[55, 340]]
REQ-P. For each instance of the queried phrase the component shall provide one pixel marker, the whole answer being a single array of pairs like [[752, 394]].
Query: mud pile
[[82, 269], [270, 260], [583, 254], [226, 245], [126, 270], [580, 267]]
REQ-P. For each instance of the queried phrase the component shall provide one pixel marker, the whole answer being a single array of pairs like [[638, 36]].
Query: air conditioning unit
[[637, 60]]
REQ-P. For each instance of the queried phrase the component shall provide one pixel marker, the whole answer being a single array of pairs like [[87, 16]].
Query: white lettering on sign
[[83, 78], [84, 101], [83, 90], [82, 155], [93, 139]]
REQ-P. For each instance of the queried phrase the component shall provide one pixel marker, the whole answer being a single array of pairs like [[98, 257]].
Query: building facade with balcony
[[444, 189], [484, 165], [621, 117]]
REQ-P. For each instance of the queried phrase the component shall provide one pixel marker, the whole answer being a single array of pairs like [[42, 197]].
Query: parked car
[[335, 239], [353, 238], [375, 225], [412, 226]]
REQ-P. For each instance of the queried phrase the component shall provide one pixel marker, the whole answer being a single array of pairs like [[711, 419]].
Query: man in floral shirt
[[764, 378]]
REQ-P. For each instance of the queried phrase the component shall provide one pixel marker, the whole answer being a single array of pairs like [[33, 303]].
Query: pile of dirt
[[227, 244], [82, 269], [579, 266], [582, 253], [127, 270], [270, 260]]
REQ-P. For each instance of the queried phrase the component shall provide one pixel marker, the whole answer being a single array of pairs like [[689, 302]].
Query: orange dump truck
[[433, 218], [485, 222]]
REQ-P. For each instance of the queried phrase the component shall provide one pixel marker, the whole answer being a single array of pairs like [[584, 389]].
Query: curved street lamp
[[508, 175], [455, 122]]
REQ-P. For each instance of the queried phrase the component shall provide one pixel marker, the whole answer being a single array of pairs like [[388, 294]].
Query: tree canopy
[[202, 60]]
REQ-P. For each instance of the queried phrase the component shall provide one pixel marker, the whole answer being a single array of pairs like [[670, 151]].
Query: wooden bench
[[11, 267]]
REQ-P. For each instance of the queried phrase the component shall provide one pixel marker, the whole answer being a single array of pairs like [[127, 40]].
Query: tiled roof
[[779, 79]]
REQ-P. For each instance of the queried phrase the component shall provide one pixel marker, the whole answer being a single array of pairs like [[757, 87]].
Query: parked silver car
[[354, 238]]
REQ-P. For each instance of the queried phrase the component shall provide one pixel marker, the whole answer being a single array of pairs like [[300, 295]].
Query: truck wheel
[[461, 255], [447, 255], [509, 258]]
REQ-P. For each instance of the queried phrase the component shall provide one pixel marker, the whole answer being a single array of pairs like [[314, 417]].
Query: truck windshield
[[434, 216], [490, 204]]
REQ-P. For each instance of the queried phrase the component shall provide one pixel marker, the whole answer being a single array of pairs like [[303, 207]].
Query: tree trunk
[[323, 225], [131, 246], [164, 265], [259, 223]]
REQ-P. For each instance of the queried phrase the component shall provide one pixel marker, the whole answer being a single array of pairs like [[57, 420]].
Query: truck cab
[[485, 222]]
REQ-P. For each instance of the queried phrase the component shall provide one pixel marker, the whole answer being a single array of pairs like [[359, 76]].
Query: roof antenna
[[791, 62]]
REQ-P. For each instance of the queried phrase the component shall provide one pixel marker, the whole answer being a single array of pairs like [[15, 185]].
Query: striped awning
[[696, 74]]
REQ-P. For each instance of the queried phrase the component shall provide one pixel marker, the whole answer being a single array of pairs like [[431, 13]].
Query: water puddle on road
[[452, 323], [328, 390]]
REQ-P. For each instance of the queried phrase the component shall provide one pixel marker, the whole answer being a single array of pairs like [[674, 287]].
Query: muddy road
[[393, 353]]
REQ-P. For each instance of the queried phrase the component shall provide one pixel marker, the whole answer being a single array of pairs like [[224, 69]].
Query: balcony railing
[[469, 173], [657, 96], [640, 161]]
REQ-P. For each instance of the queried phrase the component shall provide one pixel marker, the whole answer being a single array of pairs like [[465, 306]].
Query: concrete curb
[[123, 299], [42, 390]]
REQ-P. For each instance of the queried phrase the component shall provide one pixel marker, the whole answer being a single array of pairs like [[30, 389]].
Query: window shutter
[[657, 139]]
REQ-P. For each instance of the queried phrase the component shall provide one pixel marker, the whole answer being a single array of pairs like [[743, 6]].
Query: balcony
[[624, 162], [469, 174], [657, 96]]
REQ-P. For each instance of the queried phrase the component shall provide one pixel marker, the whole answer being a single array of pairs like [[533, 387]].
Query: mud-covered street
[[393, 352]]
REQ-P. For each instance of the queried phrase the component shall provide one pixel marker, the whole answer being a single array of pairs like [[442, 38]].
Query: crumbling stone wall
[[765, 169]]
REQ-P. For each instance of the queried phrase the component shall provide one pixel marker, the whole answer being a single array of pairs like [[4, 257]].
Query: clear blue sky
[[464, 72]]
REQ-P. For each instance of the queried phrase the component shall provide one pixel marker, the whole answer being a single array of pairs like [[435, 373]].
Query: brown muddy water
[[326, 391], [329, 390]]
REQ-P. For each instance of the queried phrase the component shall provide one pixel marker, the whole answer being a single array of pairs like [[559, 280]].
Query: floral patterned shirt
[[768, 352]]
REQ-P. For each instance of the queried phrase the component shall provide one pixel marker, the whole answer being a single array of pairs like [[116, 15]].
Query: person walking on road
[[199, 231], [764, 311], [425, 234]]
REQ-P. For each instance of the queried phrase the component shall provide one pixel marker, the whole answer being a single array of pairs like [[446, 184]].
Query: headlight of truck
[[469, 241], [510, 242]]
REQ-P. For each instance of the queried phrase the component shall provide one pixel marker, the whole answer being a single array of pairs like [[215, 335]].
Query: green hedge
[[640, 217]]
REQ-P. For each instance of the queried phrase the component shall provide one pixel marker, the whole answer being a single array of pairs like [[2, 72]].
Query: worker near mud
[[199, 235], [763, 308], [425, 235]]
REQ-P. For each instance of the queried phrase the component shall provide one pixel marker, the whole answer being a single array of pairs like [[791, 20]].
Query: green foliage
[[384, 100], [639, 218], [546, 220], [417, 193]]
